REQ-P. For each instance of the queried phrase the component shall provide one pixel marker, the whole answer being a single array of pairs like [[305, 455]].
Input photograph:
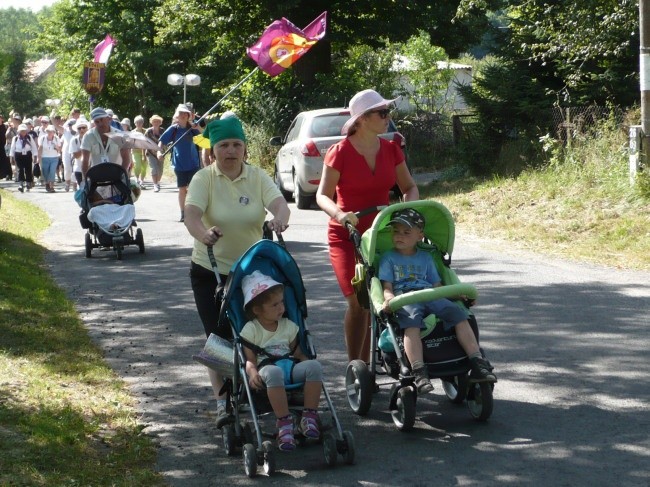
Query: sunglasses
[[383, 113]]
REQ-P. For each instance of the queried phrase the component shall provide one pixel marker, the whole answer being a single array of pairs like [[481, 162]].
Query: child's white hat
[[255, 284]]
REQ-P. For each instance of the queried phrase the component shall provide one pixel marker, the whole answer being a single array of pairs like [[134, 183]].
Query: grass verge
[[580, 206], [65, 417]]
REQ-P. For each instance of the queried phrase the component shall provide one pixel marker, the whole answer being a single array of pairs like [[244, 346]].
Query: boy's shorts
[[183, 178], [412, 315]]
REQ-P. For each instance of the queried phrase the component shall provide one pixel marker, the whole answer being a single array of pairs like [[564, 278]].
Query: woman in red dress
[[358, 173]]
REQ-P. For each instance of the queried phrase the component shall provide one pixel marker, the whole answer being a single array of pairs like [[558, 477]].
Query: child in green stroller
[[421, 325]]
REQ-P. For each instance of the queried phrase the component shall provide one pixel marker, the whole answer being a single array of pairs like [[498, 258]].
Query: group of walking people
[[52, 152]]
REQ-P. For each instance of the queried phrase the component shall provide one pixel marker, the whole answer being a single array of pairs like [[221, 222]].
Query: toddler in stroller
[[421, 324], [265, 284], [107, 211], [275, 337]]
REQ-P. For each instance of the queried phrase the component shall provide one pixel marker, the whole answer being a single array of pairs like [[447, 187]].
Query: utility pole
[[640, 135], [644, 74]]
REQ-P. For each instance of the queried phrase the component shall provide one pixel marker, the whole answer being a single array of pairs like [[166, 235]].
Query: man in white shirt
[[97, 148]]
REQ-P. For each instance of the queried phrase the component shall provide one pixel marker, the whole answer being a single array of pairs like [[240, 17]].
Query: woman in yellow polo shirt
[[225, 208]]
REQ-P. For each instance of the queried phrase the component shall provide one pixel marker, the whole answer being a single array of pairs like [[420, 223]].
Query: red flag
[[103, 49], [282, 44]]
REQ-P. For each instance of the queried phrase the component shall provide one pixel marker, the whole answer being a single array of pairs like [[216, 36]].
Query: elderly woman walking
[[225, 209]]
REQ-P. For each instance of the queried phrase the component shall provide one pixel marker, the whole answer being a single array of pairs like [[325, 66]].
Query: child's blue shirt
[[408, 272]]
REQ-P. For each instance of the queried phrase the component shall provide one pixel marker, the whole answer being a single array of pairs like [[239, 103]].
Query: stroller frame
[[452, 367], [114, 176], [274, 260]]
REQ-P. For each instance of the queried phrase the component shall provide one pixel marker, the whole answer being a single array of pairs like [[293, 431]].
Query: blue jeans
[[48, 168]]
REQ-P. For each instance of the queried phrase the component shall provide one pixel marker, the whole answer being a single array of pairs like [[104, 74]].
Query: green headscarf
[[228, 128]]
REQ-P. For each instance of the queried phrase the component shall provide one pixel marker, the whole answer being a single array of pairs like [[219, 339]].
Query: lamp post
[[53, 103], [187, 80]]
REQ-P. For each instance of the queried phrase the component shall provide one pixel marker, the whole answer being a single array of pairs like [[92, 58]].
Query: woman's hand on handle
[[277, 225], [211, 236]]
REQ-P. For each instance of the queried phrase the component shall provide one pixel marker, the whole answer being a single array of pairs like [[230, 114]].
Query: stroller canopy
[[439, 228], [273, 260]]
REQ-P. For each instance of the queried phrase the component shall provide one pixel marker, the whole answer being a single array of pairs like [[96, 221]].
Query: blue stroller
[[273, 260]]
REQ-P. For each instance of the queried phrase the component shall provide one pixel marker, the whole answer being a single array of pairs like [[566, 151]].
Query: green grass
[[580, 205], [65, 417]]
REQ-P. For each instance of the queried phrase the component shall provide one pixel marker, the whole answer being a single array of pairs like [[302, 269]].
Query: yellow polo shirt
[[236, 207]]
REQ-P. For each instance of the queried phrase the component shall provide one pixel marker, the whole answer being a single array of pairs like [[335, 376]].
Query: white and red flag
[[103, 49]]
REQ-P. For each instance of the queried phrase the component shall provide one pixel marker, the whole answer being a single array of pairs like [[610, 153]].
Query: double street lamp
[[187, 80]]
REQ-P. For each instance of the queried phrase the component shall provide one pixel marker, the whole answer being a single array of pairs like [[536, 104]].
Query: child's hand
[[386, 307], [468, 302], [255, 381]]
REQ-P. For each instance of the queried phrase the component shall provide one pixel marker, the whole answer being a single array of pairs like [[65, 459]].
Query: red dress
[[358, 188]]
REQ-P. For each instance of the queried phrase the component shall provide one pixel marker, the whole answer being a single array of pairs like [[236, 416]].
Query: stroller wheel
[[250, 460], [455, 388], [359, 387], [350, 452], [269, 458], [329, 449], [480, 400], [89, 245], [139, 240], [228, 437], [404, 412]]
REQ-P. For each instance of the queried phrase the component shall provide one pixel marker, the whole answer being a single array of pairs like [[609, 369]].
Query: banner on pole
[[93, 79]]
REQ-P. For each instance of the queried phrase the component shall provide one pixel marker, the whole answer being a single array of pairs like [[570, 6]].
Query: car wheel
[[303, 201], [278, 182]]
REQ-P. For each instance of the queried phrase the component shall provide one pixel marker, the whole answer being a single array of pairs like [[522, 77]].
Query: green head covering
[[228, 128]]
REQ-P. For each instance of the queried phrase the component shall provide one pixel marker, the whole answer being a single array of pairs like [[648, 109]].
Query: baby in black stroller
[[107, 210]]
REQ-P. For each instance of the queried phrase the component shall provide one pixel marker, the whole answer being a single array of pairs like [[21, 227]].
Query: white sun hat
[[362, 103], [255, 284]]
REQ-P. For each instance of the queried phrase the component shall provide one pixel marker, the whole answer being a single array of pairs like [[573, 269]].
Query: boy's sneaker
[[156, 187], [309, 424], [422, 381], [481, 370]]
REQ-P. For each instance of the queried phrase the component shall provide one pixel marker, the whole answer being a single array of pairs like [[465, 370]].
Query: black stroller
[[273, 260], [107, 211], [443, 356]]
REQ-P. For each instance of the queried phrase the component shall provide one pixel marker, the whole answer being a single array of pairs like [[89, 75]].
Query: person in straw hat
[[358, 173]]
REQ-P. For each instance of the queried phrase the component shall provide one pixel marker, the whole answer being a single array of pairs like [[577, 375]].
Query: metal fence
[[570, 122]]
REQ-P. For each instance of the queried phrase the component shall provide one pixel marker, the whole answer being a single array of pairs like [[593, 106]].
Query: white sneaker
[[156, 188]]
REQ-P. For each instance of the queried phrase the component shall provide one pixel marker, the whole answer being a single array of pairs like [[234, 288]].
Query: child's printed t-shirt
[[408, 272], [273, 342]]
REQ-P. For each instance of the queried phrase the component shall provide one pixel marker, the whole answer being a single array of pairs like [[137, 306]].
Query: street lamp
[[53, 103], [187, 80]]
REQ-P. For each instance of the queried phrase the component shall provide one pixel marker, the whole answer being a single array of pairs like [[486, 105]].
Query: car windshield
[[328, 125]]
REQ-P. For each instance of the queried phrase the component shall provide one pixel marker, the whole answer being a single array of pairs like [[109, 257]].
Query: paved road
[[570, 343]]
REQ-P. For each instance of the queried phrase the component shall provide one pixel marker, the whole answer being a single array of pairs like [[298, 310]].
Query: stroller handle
[[355, 235]]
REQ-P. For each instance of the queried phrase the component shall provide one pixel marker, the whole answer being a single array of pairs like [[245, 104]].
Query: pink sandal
[[309, 424], [286, 441]]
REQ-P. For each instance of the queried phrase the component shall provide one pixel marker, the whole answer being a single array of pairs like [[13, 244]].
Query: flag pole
[[213, 107]]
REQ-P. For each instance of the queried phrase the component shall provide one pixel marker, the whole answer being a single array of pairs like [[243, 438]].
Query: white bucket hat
[[255, 284], [182, 107], [362, 103]]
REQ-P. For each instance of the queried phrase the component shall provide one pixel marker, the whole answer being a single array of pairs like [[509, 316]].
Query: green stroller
[[443, 356]]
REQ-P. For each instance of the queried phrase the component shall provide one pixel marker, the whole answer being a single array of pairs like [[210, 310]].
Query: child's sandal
[[286, 441], [309, 424]]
